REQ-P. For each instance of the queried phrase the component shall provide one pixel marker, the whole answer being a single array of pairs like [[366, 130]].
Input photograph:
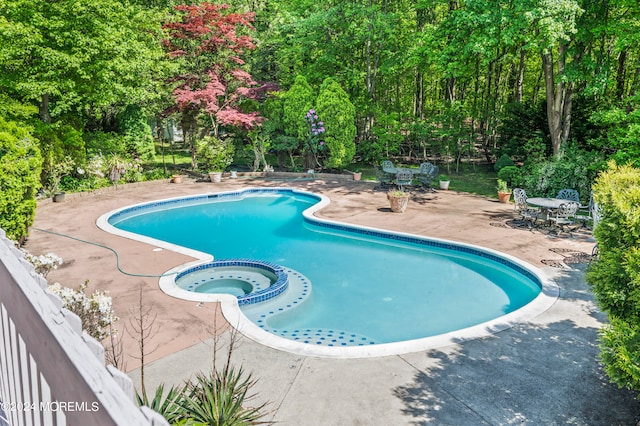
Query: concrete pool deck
[[543, 371]]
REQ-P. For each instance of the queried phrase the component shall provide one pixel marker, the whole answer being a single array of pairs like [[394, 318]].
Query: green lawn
[[480, 179]]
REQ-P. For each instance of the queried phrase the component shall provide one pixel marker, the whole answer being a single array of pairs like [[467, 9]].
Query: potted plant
[[357, 175], [444, 181], [214, 155], [176, 179], [56, 173], [504, 192], [398, 200]]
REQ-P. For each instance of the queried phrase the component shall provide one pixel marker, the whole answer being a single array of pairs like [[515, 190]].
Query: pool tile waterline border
[[231, 308], [275, 289]]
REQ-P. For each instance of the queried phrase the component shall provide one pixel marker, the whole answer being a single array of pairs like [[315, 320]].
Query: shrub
[[214, 154], [44, 263], [20, 166], [133, 125], [95, 311], [101, 143], [338, 115], [502, 162], [574, 168], [59, 143], [615, 275], [509, 174], [297, 101]]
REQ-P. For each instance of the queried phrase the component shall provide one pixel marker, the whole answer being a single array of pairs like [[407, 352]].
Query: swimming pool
[[381, 290]]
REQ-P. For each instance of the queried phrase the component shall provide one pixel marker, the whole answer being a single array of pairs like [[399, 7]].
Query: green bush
[[101, 143], [503, 162], [60, 144], [214, 154], [574, 168], [339, 116], [509, 174], [133, 125], [615, 275], [20, 166]]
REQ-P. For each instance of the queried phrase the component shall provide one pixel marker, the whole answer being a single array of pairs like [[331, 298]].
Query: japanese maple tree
[[209, 41]]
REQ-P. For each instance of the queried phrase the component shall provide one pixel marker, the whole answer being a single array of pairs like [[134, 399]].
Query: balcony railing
[[51, 373]]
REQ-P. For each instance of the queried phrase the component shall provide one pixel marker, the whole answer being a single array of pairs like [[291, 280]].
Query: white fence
[[50, 372]]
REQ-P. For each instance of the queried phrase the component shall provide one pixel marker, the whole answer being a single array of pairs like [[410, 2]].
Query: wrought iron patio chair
[[426, 173], [383, 177], [527, 213], [404, 178], [565, 214], [569, 194], [387, 165], [585, 213]]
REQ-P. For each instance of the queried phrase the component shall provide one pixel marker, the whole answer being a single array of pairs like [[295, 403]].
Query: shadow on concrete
[[538, 374]]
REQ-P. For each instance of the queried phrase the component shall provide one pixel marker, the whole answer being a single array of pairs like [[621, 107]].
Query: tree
[[80, 55], [338, 115], [556, 23], [209, 43], [297, 101]]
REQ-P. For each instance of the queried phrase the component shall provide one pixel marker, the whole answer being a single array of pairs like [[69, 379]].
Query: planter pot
[[398, 203], [176, 179], [234, 174], [215, 176], [504, 197], [357, 176], [444, 184], [59, 197]]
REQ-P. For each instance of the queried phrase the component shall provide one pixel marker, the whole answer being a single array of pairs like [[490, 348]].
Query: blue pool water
[[363, 283]]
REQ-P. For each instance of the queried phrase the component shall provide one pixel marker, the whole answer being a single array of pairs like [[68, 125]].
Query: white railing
[[51, 373]]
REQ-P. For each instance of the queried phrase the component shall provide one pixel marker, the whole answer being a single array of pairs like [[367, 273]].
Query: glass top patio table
[[395, 170], [546, 202]]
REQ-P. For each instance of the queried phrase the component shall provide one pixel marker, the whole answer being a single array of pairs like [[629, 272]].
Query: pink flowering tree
[[208, 42]]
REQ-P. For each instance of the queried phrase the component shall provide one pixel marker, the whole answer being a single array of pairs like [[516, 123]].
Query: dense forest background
[[443, 80]]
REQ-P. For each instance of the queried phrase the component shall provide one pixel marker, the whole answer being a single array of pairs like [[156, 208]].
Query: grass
[[480, 180]]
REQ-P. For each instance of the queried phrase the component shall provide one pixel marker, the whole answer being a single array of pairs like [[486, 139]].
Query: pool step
[[324, 337], [295, 296], [196, 279], [297, 292]]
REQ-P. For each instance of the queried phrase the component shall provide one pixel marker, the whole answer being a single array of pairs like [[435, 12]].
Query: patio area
[[544, 371]]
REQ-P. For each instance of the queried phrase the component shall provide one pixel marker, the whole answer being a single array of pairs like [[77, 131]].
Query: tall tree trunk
[[559, 98], [418, 95], [45, 115], [620, 77], [189, 126], [520, 78], [372, 58]]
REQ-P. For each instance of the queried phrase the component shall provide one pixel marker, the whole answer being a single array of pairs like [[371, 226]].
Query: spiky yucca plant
[[220, 398]]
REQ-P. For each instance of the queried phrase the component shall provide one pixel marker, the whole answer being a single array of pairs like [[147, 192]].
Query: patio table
[[394, 170], [546, 202]]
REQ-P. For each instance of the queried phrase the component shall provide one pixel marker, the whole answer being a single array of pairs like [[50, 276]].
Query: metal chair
[[387, 165], [529, 214], [404, 178], [564, 214], [383, 177], [569, 194], [426, 173], [585, 213]]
